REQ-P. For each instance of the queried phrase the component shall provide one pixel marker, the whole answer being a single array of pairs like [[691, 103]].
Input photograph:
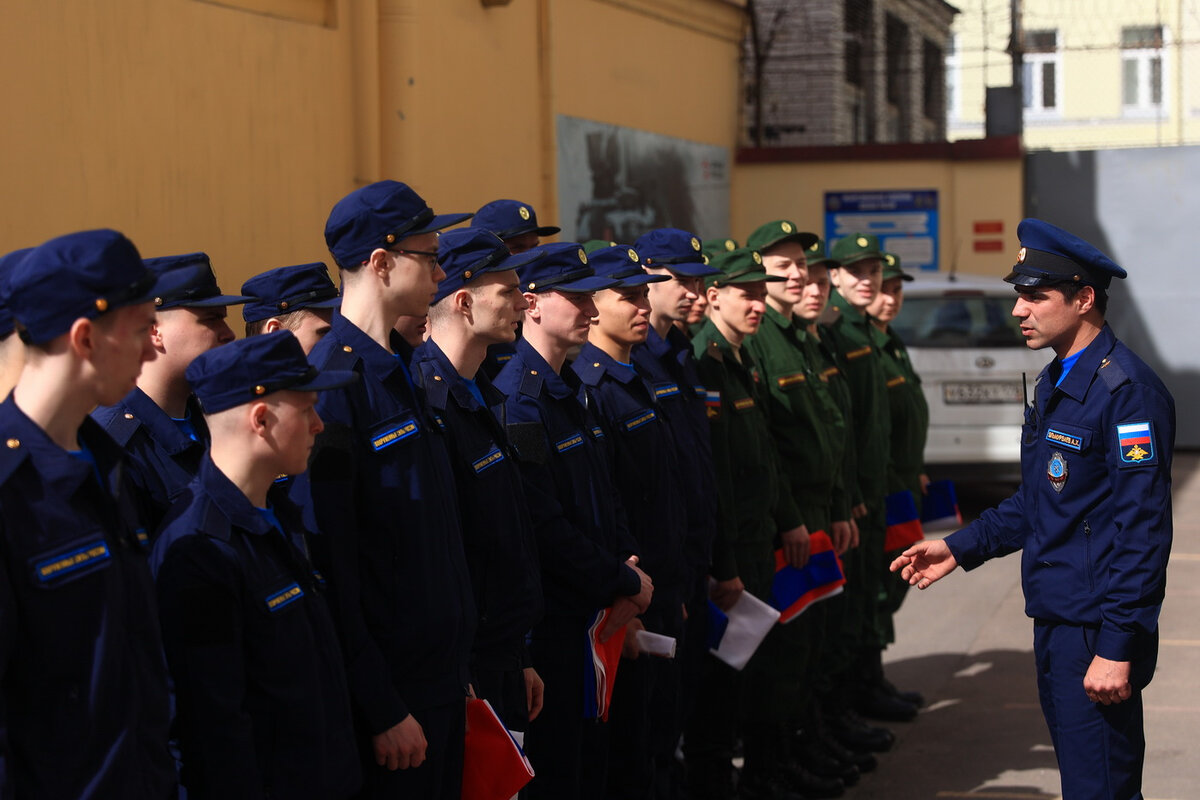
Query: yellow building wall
[[968, 191], [1090, 113], [232, 126]]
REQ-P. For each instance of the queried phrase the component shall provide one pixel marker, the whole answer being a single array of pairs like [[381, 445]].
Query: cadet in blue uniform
[[647, 476], [381, 488], [1092, 516], [300, 299], [84, 710], [262, 705], [158, 423], [517, 224], [666, 360], [478, 303], [583, 540]]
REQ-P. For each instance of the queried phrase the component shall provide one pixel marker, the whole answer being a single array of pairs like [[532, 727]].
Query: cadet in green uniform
[[910, 416], [753, 512], [857, 278], [802, 424]]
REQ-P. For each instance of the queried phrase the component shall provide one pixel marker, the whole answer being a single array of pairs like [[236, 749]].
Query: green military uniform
[[910, 425], [752, 508]]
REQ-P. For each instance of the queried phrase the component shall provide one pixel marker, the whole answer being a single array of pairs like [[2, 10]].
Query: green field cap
[[781, 230], [741, 265], [856, 247]]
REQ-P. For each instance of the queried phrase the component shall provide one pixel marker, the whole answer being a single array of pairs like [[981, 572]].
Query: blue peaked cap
[[511, 218], [623, 264], [563, 267], [379, 215], [287, 289], [188, 281], [1050, 255], [676, 250], [467, 253], [8, 263]]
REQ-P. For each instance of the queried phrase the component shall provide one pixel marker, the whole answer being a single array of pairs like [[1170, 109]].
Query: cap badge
[[787, 227], [861, 241], [730, 244], [582, 255], [757, 257], [632, 255], [705, 257], [891, 260], [1021, 256], [812, 248], [695, 243], [524, 212]]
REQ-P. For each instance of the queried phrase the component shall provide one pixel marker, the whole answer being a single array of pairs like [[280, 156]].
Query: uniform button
[[595, 363], [128, 415], [437, 377], [348, 348], [13, 444], [533, 372]]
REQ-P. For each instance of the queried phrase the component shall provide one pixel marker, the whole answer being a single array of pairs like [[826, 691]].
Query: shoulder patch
[[1135, 444], [712, 403]]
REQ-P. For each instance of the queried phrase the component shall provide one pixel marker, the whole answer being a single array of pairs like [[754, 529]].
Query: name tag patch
[[284, 597], [785, 381], [1065, 439], [666, 390], [640, 419], [865, 350], [597, 432], [896, 381], [569, 443], [494, 457], [403, 431], [69, 563], [744, 403], [1135, 441]]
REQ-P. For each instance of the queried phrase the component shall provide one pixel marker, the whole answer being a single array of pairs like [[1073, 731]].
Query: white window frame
[[953, 81], [1033, 80], [1143, 56]]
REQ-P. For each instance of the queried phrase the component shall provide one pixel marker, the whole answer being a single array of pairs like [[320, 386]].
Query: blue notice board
[[906, 222]]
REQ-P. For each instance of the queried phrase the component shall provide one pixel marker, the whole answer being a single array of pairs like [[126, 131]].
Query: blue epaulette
[[531, 383], [1113, 373], [11, 457], [117, 422], [591, 374]]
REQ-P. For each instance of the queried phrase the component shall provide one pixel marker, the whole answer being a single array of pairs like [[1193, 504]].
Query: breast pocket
[[393, 432], [73, 587]]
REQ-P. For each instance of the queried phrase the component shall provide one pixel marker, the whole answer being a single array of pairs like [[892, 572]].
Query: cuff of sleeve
[[960, 548], [387, 713], [628, 584], [1115, 645]]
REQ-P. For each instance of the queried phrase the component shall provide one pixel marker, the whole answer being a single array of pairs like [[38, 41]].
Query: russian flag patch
[[1135, 443]]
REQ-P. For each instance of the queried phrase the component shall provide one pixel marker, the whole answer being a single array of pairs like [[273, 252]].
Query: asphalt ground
[[966, 644]]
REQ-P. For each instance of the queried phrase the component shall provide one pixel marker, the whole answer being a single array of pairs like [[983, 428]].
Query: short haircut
[[1070, 289], [290, 321]]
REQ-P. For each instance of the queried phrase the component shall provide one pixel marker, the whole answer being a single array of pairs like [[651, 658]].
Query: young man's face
[[786, 260], [120, 345], [741, 306], [415, 272], [1048, 318], [412, 328], [889, 301], [859, 282], [674, 299], [292, 427], [185, 333], [497, 306], [314, 323], [815, 295], [623, 315], [566, 316]]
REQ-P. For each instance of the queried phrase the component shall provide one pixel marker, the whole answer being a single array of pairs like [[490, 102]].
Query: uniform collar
[[551, 380], [161, 427], [593, 364], [378, 362], [787, 324], [62, 472], [848, 312], [230, 501], [451, 385], [1080, 377]]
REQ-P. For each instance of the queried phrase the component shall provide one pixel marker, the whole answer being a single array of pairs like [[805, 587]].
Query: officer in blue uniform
[[1092, 516], [479, 304], [300, 299], [158, 423], [380, 486], [262, 705], [516, 223], [84, 708], [648, 478], [583, 539]]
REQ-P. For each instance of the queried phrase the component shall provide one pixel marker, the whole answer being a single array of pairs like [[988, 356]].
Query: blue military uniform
[[582, 536], [496, 527], [380, 486], [164, 453], [263, 708], [84, 707], [1093, 519]]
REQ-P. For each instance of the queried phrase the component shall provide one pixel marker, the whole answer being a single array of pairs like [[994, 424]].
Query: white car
[[976, 372]]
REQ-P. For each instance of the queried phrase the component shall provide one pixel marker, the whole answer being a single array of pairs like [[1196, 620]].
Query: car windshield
[[958, 319]]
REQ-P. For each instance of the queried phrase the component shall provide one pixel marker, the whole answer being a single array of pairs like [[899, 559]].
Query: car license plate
[[976, 393]]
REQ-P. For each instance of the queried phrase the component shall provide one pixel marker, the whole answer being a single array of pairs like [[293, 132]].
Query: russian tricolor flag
[[939, 509], [1134, 433], [600, 664], [794, 590], [903, 524]]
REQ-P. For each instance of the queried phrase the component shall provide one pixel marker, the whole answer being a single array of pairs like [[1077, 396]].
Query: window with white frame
[[953, 81], [1142, 66], [1042, 75]]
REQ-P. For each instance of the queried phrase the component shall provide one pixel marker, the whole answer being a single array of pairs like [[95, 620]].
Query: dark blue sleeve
[[998, 532]]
